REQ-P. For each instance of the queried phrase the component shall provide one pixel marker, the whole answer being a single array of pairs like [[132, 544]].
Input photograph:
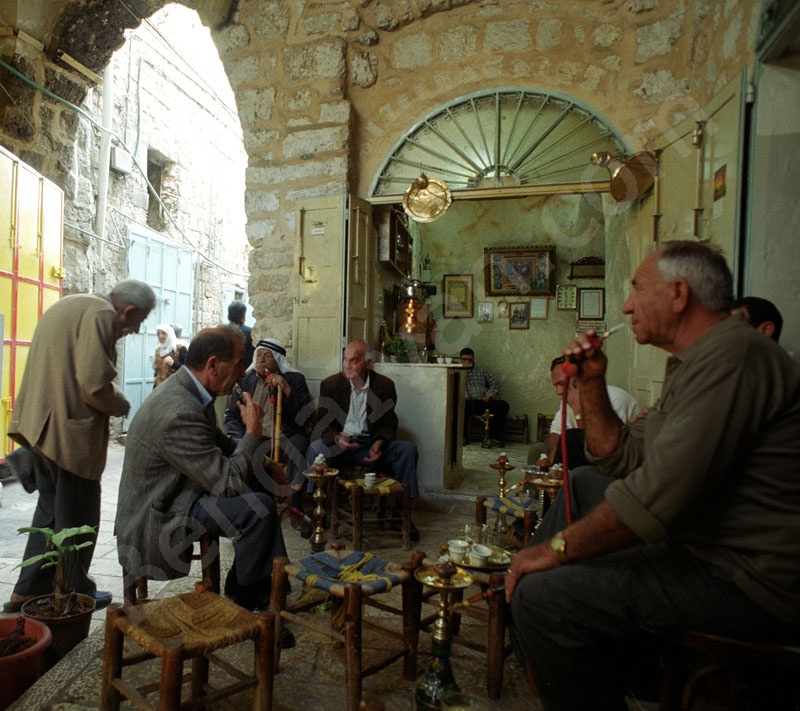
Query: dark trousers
[[586, 630], [65, 501], [252, 523], [398, 459], [498, 408]]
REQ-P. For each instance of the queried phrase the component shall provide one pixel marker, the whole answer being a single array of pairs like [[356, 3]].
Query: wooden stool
[[758, 675], [333, 575], [188, 626], [355, 519], [492, 611], [135, 588], [522, 512]]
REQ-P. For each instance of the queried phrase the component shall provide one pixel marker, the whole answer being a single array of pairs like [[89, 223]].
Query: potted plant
[[399, 349], [22, 642], [67, 613]]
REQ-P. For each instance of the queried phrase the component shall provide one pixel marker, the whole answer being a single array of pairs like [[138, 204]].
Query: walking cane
[[276, 426]]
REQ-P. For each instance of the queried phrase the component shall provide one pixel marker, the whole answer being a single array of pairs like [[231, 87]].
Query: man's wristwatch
[[559, 547]]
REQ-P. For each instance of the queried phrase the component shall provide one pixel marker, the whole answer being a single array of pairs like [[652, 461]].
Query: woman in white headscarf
[[269, 371], [165, 359]]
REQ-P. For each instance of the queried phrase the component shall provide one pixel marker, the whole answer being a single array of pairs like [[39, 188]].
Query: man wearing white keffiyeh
[[268, 372]]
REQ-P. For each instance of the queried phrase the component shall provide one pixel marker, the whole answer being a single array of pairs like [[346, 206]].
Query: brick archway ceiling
[[502, 138]]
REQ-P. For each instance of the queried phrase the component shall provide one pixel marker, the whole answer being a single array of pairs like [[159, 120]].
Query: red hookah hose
[[567, 498]]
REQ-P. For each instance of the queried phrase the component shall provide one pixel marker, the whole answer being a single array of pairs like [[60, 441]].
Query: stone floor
[[311, 675]]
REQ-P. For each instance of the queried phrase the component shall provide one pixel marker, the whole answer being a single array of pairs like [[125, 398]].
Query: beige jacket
[[68, 391]]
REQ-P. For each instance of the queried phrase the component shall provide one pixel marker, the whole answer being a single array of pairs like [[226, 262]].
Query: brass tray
[[428, 576], [490, 567]]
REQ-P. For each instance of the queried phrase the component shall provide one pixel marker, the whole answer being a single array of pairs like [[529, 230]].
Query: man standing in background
[[61, 416]]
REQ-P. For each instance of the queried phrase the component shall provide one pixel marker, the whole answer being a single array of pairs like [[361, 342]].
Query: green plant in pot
[[399, 348], [67, 613]]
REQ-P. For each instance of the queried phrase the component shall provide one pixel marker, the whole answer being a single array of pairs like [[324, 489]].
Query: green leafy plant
[[61, 550], [400, 348]]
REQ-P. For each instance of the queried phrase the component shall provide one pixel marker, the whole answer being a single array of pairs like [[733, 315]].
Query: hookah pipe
[[571, 368]]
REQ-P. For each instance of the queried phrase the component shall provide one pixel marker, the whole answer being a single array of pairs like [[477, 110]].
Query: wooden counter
[[430, 407]]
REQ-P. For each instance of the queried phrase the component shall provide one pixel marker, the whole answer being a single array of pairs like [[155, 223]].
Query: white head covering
[[170, 343], [278, 351]]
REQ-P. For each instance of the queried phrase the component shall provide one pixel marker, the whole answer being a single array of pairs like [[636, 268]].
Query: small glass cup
[[475, 533]]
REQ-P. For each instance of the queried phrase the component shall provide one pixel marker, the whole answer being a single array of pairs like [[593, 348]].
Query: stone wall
[[326, 89]]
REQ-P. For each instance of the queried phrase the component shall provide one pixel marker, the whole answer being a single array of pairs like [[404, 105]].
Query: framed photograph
[[520, 271], [539, 306], [591, 304], [485, 312], [457, 296], [519, 315], [502, 309]]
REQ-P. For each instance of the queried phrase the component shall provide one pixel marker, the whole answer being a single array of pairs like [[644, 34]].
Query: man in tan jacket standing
[[61, 417]]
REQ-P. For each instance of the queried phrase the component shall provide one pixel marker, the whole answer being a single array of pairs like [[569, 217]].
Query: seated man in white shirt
[[624, 405]]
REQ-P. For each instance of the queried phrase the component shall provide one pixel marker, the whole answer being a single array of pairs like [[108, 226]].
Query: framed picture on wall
[[485, 312], [519, 315], [539, 307], [591, 304], [457, 296], [520, 271]]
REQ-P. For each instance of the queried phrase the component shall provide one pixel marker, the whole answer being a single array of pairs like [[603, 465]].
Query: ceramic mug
[[457, 548], [369, 479]]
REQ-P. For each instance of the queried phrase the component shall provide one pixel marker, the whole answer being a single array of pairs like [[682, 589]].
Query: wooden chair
[[360, 515], [189, 626], [735, 674], [492, 611], [522, 512], [135, 587], [334, 576]]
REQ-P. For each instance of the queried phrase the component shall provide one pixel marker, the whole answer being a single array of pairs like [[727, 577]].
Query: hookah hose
[[564, 463], [571, 367]]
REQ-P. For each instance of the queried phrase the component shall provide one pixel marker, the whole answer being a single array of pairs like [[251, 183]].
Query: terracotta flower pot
[[67, 630], [18, 671]]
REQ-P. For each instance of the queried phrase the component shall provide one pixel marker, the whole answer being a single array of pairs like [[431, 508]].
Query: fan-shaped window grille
[[502, 139]]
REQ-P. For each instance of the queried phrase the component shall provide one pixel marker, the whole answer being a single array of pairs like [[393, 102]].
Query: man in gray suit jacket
[[61, 416], [183, 476]]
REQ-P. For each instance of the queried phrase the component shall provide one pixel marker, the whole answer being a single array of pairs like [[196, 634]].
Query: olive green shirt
[[716, 463]]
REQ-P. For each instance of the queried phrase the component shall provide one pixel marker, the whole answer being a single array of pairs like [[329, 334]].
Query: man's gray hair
[[136, 293], [705, 270]]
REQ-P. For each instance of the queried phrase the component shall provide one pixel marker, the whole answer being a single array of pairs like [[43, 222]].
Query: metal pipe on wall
[[104, 159]]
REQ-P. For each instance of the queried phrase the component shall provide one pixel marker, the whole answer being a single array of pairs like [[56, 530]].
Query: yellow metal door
[[31, 239]]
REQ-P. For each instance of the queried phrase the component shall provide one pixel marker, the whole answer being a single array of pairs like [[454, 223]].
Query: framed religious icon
[[519, 315], [591, 304], [520, 271], [485, 312], [457, 296]]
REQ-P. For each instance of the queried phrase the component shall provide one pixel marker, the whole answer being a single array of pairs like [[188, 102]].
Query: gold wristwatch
[[559, 547]]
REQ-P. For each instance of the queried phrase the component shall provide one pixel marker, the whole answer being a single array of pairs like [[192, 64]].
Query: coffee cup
[[369, 479], [479, 555], [457, 548]]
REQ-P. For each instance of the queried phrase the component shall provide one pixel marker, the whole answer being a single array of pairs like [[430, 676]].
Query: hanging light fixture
[[633, 177], [426, 199]]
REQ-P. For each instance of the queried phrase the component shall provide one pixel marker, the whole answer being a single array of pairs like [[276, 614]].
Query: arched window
[[502, 139]]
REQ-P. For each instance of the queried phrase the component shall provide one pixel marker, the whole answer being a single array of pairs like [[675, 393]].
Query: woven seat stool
[[349, 581], [135, 586], [356, 518], [188, 626], [521, 510]]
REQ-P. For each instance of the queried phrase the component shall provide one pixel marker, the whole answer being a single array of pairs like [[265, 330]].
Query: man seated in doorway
[[693, 526], [356, 423], [483, 387], [269, 372], [183, 477], [761, 314], [623, 404]]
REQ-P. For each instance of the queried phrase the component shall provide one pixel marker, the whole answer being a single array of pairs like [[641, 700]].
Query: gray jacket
[[174, 454]]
